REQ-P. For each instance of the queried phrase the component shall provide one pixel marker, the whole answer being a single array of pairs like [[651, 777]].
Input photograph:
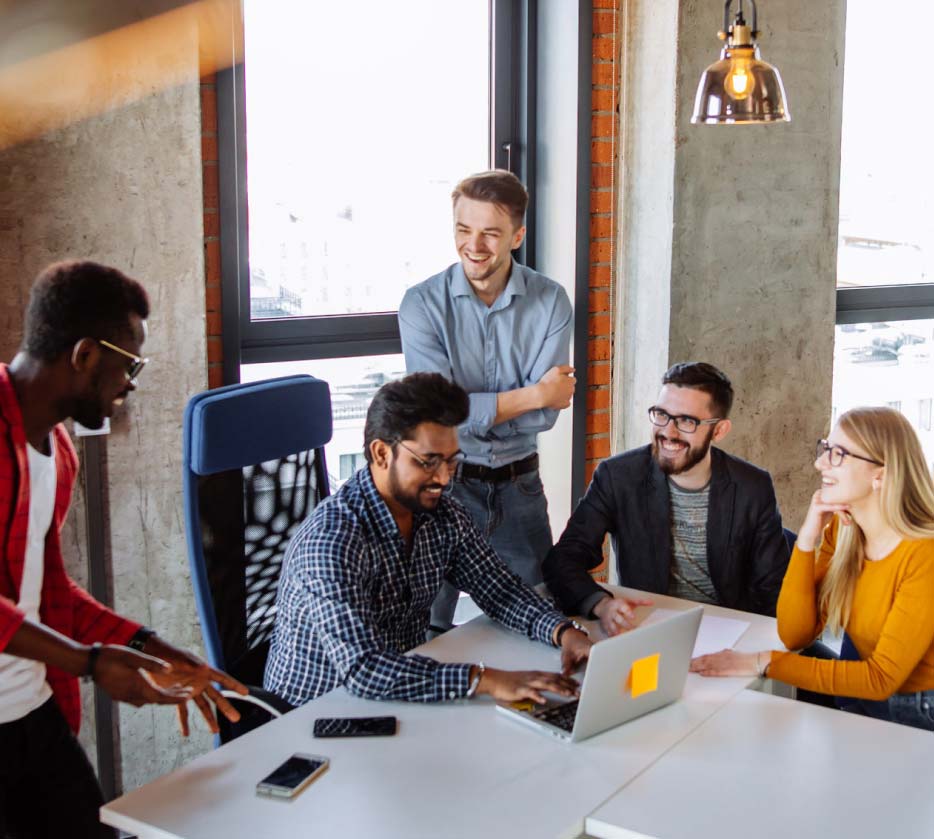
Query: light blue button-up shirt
[[487, 350]]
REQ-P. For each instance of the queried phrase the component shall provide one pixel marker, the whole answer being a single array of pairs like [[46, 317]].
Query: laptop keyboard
[[560, 716]]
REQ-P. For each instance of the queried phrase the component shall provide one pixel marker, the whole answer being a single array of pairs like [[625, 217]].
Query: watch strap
[[138, 641]]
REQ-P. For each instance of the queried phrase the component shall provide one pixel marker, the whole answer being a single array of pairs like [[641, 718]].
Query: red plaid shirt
[[65, 606]]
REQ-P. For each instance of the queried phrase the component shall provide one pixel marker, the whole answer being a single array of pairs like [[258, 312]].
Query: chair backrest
[[790, 538], [254, 469]]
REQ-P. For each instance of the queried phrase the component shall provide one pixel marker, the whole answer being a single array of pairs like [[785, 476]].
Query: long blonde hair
[[906, 497]]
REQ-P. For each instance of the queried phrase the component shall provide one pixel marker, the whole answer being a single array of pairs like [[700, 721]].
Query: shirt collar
[[515, 285], [382, 519], [380, 514]]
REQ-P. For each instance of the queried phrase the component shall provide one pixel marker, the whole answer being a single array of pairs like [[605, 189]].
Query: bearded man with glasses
[[361, 573], [685, 518]]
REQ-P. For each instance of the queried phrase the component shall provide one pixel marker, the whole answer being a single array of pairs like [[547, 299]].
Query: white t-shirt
[[23, 687]]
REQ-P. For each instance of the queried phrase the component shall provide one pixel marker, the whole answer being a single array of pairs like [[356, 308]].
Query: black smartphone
[[355, 726], [291, 777]]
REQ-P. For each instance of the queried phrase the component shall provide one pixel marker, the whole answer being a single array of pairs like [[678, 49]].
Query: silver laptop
[[627, 676]]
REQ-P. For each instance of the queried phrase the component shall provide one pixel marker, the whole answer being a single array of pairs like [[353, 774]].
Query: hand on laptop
[[575, 650], [618, 614], [513, 685]]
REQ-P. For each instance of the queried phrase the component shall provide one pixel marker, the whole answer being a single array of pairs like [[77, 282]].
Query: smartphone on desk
[[291, 777], [355, 726]]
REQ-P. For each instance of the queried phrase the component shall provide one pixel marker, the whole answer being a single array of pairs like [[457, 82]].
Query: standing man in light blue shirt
[[502, 332]]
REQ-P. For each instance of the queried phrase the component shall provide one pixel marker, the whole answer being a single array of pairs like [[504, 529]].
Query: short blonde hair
[[499, 187]]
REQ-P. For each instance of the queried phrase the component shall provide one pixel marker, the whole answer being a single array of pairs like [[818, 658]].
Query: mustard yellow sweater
[[891, 623]]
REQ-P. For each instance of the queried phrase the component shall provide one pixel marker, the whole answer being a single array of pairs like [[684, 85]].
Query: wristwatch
[[564, 627], [138, 641]]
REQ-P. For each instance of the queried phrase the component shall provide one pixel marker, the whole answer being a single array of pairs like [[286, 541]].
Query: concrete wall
[[125, 188], [753, 237], [647, 126]]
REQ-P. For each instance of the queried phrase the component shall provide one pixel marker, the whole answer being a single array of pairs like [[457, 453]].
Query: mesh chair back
[[254, 470]]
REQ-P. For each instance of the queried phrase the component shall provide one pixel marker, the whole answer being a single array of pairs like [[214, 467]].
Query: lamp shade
[[740, 88]]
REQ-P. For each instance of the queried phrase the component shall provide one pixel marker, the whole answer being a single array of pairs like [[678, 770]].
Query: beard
[[411, 500], [687, 459], [88, 409]]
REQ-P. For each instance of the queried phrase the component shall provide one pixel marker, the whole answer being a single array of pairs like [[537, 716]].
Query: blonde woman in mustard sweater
[[863, 562]]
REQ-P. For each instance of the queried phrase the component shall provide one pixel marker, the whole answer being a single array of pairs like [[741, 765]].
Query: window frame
[[513, 140], [871, 304], [247, 341]]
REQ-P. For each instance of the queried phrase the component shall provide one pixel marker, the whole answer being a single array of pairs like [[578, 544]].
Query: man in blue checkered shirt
[[362, 571]]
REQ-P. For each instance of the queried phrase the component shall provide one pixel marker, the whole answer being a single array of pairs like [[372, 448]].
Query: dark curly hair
[[74, 300], [400, 406]]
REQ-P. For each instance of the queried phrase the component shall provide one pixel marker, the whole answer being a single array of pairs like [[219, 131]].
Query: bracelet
[[93, 653], [475, 682], [762, 671]]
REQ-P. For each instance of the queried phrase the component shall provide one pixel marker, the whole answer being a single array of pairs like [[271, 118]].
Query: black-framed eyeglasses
[[433, 463], [136, 364], [683, 422], [838, 454]]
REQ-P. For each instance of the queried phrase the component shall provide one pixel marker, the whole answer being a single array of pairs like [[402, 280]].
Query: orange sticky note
[[643, 677]]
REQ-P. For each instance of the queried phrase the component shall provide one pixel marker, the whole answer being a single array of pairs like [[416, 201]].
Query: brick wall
[[603, 223], [212, 245]]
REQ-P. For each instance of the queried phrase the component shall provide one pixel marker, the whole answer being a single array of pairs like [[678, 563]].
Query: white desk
[[454, 770], [767, 767]]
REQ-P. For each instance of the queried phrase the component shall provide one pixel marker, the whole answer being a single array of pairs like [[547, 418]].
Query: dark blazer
[[628, 498]]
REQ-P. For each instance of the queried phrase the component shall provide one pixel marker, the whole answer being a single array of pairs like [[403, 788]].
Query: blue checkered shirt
[[351, 601]]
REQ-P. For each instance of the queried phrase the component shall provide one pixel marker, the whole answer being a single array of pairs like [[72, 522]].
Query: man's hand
[[575, 650], [513, 685], [728, 663], [128, 676], [618, 614], [194, 675], [556, 387]]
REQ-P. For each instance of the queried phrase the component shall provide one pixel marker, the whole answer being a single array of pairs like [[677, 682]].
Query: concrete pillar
[[124, 188], [752, 243]]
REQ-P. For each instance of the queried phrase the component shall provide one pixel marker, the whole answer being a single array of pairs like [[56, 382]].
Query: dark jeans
[[513, 517], [914, 709], [48, 789]]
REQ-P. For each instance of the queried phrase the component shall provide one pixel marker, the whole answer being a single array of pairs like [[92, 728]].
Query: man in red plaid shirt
[[85, 326]]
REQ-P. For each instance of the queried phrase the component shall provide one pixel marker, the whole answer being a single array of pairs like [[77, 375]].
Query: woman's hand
[[818, 517], [728, 663]]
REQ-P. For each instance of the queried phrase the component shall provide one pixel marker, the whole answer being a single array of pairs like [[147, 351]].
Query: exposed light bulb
[[740, 81]]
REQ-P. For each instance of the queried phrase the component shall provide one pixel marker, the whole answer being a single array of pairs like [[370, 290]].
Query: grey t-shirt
[[690, 577]]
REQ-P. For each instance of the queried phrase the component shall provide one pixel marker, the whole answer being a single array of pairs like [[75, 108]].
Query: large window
[[340, 138], [356, 135], [885, 256], [354, 140]]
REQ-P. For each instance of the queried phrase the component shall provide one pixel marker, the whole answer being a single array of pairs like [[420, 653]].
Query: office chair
[[254, 469]]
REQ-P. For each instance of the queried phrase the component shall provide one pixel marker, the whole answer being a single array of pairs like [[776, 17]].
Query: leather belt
[[475, 471]]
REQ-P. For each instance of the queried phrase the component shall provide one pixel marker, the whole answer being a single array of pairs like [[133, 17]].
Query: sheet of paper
[[715, 633], [643, 677]]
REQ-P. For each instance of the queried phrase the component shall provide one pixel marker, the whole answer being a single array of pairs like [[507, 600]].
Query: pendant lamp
[[740, 88]]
